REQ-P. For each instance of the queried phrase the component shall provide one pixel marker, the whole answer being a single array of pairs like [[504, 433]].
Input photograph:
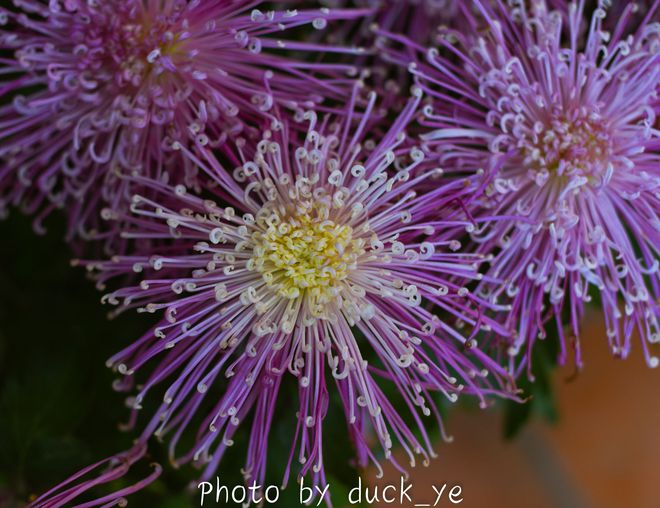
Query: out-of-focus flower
[[634, 11], [100, 88], [316, 259], [417, 19], [567, 135]]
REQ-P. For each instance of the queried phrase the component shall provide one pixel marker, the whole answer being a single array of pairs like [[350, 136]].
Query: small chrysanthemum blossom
[[319, 270], [419, 20], [567, 134], [97, 88]]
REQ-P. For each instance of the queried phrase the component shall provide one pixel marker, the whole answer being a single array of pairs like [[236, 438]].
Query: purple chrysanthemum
[[567, 133], [99, 88], [315, 260]]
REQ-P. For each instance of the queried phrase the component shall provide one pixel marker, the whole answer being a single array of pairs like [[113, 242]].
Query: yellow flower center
[[304, 253]]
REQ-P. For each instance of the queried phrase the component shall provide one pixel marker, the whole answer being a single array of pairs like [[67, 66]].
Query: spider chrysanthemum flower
[[96, 88], [311, 263], [567, 132]]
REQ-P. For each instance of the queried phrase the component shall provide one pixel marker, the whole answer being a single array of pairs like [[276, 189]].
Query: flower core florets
[[124, 44], [127, 43], [579, 145], [301, 251]]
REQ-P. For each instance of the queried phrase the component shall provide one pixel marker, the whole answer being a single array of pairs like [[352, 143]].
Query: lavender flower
[[566, 134], [311, 261], [98, 88]]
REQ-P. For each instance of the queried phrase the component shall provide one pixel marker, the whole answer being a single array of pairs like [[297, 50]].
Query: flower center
[[126, 42], [304, 252], [579, 146]]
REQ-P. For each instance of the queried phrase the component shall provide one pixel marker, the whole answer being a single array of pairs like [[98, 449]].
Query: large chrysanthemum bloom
[[96, 88], [310, 263], [567, 134]]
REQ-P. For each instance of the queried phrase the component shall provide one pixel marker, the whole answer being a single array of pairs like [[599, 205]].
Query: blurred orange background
[[604, 452]]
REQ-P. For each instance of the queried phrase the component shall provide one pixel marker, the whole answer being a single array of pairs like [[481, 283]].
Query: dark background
[[58, 412]]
